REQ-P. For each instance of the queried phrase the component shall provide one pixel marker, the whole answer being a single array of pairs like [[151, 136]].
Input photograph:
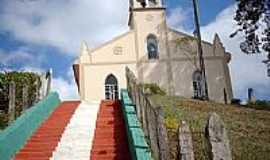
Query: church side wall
[[228, 81], [155, 72], [182, 78], [215, 79], [184, 46], [184, 63]]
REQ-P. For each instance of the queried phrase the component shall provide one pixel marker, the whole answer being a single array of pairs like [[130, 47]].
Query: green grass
[[248, 129]]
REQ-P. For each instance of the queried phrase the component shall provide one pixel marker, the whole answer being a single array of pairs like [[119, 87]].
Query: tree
[[253, 16]]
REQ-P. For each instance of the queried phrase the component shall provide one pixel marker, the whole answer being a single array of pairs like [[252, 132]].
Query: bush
[[153, 88], [21, 79], [260, 104]]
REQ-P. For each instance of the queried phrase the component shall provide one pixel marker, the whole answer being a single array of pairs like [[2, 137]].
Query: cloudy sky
[[40, 34]]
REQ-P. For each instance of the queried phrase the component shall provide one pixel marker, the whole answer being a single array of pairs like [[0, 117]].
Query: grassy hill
[[248, 129]]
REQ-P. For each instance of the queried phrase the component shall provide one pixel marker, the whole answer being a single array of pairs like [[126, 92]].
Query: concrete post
[[185, 142], [11, 106], [217, 138], [25, 98]]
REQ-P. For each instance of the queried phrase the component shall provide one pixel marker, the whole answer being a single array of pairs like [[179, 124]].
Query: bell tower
[[145, 3], [148, 18], [145, 6]]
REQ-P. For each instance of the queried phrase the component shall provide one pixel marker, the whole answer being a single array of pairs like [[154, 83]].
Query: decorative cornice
[[153, 61], [147, 9]]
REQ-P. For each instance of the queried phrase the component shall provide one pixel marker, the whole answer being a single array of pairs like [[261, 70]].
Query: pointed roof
[[217, 39], [84, 48]]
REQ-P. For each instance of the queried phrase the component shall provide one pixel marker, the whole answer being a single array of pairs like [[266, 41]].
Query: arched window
[[152, 2], [152, 47], [111, 88], [197, 84]]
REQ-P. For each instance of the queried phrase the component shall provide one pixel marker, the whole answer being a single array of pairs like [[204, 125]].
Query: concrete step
[[76, 141], [110, 140], [44, 140]]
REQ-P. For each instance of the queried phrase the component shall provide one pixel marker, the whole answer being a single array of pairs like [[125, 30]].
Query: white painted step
[[77, 139]]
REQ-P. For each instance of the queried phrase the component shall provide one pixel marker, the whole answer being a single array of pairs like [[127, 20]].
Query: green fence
[[15, 136], [137, 143]]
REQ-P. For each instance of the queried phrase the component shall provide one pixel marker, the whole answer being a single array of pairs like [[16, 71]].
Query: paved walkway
[[110, 141]]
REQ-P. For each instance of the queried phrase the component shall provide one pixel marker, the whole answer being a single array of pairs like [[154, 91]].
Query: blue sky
[[209, 9], [40, 34]]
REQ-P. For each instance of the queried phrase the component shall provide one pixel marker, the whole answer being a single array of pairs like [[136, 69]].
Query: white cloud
[[20, 57], [66, 88], [179, 18], [247, 71], [64, 23]]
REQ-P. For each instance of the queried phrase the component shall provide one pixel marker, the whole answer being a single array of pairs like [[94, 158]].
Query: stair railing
[[151, 117]]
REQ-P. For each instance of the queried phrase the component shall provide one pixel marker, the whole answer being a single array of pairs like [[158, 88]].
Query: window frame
[[151, 39]]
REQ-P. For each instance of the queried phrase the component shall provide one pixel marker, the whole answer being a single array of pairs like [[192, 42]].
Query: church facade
[[156, 54]]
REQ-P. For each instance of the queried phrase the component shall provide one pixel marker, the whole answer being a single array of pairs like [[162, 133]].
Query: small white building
[[156, 54]]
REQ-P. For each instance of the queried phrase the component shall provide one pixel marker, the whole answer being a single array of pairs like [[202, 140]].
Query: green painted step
[[133, 121], [129, 109], [136, 139]]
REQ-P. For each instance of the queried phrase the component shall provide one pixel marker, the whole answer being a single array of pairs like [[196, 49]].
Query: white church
[[156, 54]]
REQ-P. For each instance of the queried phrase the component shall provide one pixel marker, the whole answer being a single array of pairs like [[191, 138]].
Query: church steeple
[[145, 4]]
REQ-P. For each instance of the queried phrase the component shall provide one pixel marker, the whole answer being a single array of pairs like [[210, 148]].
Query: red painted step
[[110, 140], [44, 140]]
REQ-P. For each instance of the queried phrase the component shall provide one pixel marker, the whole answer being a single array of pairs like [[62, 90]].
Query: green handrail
[[14, 137]]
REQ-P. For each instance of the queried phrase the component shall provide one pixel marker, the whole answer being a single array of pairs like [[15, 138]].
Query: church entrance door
[[111, 88]]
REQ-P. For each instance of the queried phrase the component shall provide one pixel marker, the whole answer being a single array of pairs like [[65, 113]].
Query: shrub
[[153, 88], [21, 79], [260, 104]]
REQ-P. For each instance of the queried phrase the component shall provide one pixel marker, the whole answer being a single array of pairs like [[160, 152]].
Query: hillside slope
[[248, 129]]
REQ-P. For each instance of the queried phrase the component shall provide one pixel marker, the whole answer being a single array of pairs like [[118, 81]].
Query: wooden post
[[185, 142], [152, 128], [143, 109], [145, 118], [49, 81], [37, 98], [137, 102], [162, 135], [25, 98], [11, 106]]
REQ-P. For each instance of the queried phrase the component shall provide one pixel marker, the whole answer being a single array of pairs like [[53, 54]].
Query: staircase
[[45, 139], [79, 131], [76, 141], [110, 139]]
